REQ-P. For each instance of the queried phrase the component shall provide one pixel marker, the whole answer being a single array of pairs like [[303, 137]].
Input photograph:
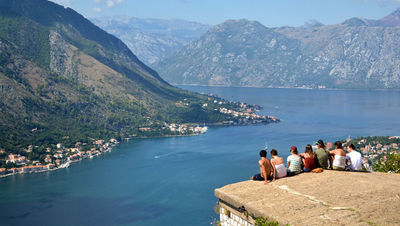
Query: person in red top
[[308, 158]]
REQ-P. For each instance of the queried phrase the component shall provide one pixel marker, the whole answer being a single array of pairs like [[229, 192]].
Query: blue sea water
[[171, 181]]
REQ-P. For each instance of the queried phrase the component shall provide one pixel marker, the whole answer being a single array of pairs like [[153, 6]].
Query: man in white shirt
[[353, 158]]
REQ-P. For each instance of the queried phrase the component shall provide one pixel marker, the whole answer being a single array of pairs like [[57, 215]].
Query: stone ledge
[[328, 198]]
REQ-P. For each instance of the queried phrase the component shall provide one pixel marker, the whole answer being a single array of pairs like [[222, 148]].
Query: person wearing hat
[[293, 162], [322, 155]]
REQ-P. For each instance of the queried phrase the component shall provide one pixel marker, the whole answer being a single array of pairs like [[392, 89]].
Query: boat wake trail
[[162, 156]]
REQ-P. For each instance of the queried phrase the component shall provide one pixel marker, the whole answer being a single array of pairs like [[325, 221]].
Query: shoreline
[[218, 124], [65, 165], [301, 88], [68, 162]]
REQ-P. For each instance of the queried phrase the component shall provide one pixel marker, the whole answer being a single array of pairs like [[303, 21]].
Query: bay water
[[171, 181]]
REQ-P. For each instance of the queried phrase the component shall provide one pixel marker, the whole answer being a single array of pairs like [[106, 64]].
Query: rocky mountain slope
[[152, 39], [357, 53], [63, 79]]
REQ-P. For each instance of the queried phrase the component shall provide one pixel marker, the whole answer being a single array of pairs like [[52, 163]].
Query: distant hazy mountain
[[152, 39], [357, 53], [312, 23], [391, 20]]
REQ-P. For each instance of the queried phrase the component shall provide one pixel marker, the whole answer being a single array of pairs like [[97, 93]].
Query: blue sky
[[271, 13]]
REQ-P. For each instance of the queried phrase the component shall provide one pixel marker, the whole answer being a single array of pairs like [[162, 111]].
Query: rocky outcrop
[[61, 56], [327, 198], [358, 53]]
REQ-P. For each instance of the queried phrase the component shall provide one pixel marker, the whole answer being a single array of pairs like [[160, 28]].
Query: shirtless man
[[265, 168]]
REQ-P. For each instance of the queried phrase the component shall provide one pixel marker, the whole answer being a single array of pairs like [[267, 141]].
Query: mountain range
[[358, 53], [63, 79], [151, 39]]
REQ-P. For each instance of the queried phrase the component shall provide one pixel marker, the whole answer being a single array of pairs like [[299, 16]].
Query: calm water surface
[[170, 181]]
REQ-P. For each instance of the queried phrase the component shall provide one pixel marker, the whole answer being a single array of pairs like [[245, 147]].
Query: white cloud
[[65, 3], [101, 4], [108, 3], [97, 9]]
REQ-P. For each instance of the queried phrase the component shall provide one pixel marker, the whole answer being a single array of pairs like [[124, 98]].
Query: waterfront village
[[60, 157], [244, 115]]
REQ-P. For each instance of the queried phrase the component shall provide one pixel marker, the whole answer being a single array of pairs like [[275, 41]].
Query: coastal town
[[237, 114], [57, 158], [248, 117], [244, 114]]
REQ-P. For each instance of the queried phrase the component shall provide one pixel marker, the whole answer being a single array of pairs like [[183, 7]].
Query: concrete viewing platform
[[327, 198]]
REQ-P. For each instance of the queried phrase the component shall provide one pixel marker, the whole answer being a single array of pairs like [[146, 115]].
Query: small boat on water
[[65, 165], [266, 146]]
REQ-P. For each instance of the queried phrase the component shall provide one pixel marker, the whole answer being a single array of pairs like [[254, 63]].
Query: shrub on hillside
[[391, 164]]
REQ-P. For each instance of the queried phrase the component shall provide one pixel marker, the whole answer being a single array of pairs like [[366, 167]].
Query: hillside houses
[[55, 159], [373, 150], [16, 159]]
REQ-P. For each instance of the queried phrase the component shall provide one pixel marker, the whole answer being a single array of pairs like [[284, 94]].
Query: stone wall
[[230, 216]]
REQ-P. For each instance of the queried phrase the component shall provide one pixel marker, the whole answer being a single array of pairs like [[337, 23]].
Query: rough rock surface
[[328, 198]]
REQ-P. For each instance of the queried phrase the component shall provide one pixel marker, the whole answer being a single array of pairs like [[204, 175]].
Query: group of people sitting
[[308, 161]]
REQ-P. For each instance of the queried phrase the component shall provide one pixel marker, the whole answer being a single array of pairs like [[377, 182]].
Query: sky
[[271, 13]]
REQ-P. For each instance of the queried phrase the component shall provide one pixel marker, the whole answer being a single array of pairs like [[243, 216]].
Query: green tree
[[392, 164], [265, 221]]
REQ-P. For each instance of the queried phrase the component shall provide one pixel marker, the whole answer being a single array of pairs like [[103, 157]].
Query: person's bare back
[[265, 169]]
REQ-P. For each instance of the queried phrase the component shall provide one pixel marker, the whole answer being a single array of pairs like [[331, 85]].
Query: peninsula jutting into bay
[[38, 159]]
